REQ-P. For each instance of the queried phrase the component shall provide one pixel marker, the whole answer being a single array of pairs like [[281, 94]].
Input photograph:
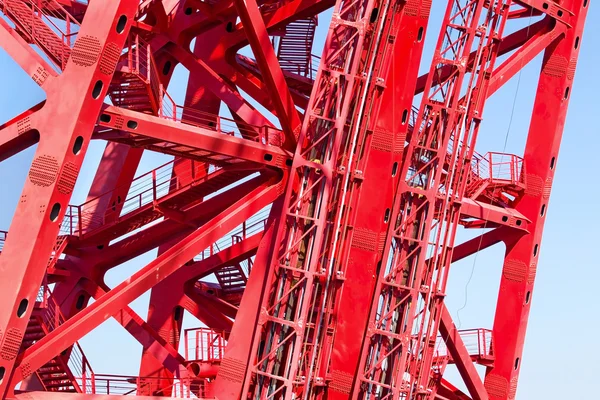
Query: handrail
[[139, 385], [145, 189], [250, 227], [478, 342], [264, 134], [204, 344], [489, 168]]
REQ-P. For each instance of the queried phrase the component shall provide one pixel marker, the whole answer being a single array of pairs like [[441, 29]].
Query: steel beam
[[522, 252], [65, 128]]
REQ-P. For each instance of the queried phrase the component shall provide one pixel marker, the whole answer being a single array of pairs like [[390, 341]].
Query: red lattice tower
[[311, 236]]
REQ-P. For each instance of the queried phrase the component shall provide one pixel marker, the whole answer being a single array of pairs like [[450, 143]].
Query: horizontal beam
[[19, 133], [490, 216], [202, 139]]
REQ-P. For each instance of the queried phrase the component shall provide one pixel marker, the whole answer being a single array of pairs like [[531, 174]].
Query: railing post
[[137, 53], [185, 339], [93, 377], [154, 185], [130, 54], [148, 61], [79, 219], [160, 100], [68, 23], [83, 372], [198, 345]]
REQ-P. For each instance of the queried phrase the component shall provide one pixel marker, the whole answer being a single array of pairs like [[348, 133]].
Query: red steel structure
[[312, 232]]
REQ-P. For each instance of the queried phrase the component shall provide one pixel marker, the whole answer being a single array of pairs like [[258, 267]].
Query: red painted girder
[[193, 139], [557, 11], [441, 124], [144, 279], [278, 18], [447, 391], [369, 221], [205, 311], [164, 309], [491, 216], [106, 207], [246, 75], [482, 242], [16, 134], [139, 329], [534, 46], [522, 252], [260, 42], [66, 124]]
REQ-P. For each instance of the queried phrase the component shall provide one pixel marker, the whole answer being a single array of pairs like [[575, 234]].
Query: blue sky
[[560, 353]]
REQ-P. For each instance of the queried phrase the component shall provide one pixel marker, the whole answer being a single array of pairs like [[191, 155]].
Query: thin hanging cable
[[510, 121]]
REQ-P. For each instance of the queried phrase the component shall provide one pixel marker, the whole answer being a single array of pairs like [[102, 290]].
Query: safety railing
[[141, 62], [263, 134], [251, 226], [204, 344], [124, 385], [499, 167], [145, 189], [29, 14], [478, 342]]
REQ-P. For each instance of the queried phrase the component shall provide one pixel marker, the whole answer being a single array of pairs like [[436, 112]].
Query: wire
[[510, 121]]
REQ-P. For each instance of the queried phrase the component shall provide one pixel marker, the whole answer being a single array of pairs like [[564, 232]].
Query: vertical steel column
[[540, 157], [381, 174], [66, 124], [398, 348]]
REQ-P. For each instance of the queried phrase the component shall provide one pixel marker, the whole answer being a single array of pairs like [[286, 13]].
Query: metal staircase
[[232, 279], [38, 23], [136, 84], [68, 372], [295, 47]]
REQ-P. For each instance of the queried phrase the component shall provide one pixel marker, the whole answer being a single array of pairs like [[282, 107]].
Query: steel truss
[[326, 221]]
